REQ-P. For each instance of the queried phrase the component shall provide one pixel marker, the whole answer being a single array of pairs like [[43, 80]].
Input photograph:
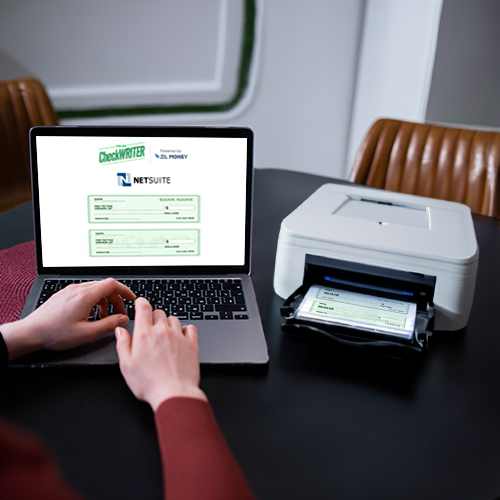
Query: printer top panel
[[382, 213], [386, 221]]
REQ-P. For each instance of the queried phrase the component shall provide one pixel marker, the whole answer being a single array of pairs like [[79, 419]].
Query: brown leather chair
[[429, 160], [23, 104]]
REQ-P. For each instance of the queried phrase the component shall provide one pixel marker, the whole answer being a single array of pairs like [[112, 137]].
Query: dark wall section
[[465, 86]]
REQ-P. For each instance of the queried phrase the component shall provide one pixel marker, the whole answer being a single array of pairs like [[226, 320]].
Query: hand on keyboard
[[62, 321], [161, 360]]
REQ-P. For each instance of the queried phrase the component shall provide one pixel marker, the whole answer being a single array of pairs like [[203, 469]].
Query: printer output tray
[[362, 279]]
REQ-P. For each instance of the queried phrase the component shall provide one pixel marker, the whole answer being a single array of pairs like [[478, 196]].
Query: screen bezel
[[145, 131]]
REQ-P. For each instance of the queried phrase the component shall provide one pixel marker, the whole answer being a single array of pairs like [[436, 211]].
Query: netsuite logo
[[126, 180], [122, 153]]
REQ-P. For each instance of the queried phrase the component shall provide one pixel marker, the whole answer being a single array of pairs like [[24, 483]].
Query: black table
[[317, 423]]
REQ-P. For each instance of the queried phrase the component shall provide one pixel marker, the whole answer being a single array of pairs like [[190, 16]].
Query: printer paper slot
[[362, 306], [333, 306]]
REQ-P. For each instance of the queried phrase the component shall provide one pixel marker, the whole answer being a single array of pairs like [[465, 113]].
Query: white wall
[[300, 99], [302, 104], [323, 70], [304, 73], [395, 65], [466, 78], [119, 53]]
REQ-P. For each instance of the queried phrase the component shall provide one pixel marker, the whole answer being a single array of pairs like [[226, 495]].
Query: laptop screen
[[141, 198]]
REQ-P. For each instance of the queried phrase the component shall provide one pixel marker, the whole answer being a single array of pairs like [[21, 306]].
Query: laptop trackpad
[[102, 350]]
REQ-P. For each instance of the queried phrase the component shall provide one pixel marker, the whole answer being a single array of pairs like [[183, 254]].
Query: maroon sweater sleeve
[[197, 463], [27, 470]]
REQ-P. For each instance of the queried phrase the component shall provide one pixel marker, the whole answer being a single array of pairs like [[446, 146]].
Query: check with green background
[[143, 208], [332, 305], [144, 242]]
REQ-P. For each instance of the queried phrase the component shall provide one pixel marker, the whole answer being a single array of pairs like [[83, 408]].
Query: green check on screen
[[144, 242], [143, 209]]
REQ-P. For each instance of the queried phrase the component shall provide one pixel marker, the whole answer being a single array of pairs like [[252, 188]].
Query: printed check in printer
[[369, 267]]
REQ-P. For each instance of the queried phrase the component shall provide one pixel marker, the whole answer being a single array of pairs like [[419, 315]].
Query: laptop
[[165, 210]]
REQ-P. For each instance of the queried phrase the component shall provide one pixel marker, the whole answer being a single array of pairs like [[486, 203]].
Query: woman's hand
[[62, 322], [161, 360]]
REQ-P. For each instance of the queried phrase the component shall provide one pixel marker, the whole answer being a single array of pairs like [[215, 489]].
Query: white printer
[[390, 231]]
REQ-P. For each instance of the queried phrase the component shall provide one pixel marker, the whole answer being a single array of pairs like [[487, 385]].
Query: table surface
[[317, 423]]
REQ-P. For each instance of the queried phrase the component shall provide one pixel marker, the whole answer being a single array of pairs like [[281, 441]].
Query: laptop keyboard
[[188, 299]]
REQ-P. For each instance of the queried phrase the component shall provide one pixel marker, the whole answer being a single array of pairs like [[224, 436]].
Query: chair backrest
[[434, 161], [23, 104]]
